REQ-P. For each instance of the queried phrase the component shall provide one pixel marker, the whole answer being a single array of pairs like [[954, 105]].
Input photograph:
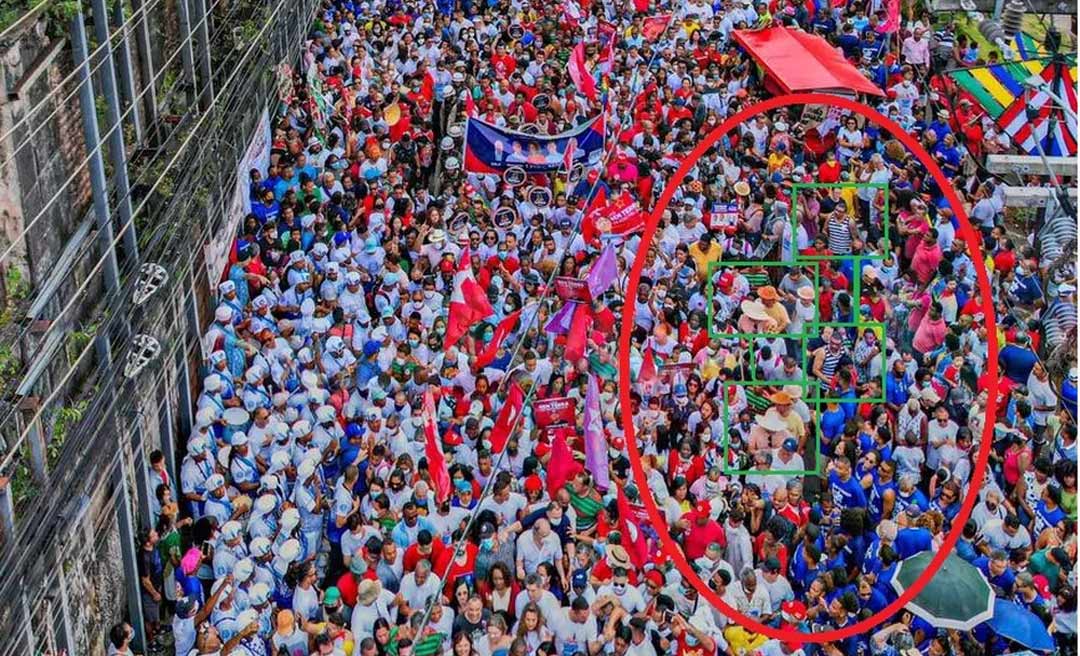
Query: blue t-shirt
[[1017, 362], [846, 494], [910, 541]]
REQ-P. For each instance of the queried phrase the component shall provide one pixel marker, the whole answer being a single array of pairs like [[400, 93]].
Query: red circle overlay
[[668, 546]]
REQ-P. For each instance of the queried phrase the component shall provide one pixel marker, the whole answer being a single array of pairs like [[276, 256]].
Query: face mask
[[618, 588], [414, 343], [503, 255], [487, 544]]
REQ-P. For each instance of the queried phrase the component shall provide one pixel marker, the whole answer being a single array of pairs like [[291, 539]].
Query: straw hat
[[772, 421], [794, 391], [617, 556], [742, 188], [767, 293], [781, 398], [755, 310], [806, 293], [368, 592]]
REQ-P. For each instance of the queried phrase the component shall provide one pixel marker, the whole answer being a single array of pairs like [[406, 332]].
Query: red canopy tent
[[796, 61]]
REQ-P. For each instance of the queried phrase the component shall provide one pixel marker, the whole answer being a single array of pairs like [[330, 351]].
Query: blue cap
[[463, 485], [371, 348], [680, 390], [580, 579], [340, 238], [354, 430], [790, 445]]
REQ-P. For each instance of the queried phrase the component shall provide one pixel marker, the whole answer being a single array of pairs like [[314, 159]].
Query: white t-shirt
[[570, 633]]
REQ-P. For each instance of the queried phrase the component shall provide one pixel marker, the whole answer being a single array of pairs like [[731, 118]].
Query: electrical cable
[[91, 274], [103, 141], [60, 85]]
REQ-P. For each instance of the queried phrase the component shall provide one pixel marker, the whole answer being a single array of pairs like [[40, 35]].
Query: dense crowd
[[809, 364]]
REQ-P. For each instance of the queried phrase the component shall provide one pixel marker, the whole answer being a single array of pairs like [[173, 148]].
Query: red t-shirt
[[698, 538]]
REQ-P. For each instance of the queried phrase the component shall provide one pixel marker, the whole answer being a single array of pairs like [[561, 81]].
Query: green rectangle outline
[[795, 186], [725, 417], [713, 266], [884, 363]]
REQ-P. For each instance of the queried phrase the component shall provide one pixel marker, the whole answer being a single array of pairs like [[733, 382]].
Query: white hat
[[248, 616], [215, 481], [279, 461], [258, 595], [205, 416], [306, 469], [217, 357], [218, 585], [196, 446], [290, 519], [300, 428], [307, 307], [305, 356], [280, 399], [772, 421], [269, 482], [325, 413], [212, 383], [242, 570], [223, 314], [279, 430], [239, 438], [290, 550], [223, 456], [259, 547], [253, 375], [230, 530], [309, 379], [335, 344], [227, 287], [265, 503]]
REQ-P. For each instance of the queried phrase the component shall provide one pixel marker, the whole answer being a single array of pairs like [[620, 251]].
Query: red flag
[[588, 224], [580, 327], [647, 374], [653, 26], [580, 74], [562, 466], [505, 327], [508, 414], [470, 105], [468, 302], [892, 17], [440, 475], [427, 87], [636, 545], [641, 6]]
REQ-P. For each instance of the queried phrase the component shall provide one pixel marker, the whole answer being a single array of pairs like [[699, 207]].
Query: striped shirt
[[839, 231], [1058, 319]]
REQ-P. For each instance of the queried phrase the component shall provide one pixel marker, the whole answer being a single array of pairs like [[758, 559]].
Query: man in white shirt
[[537, 545], [419, 585], [575, 629]]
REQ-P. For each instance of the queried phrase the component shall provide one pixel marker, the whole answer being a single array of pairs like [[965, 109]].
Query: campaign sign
[[723, 214], [621, 217], [548, 413], [669, 372], [491, 149], [572, 289]]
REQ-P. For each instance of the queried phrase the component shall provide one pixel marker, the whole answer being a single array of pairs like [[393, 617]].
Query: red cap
[[446, 266], [655, 577], [542, 449], [533, 484], [796, 610], [727, 279], [703, 508], [452, 438]]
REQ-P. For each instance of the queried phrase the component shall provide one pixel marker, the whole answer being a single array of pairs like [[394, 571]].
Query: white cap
[[231, 530], [309, 379], [223, 314], [248, 616], [325, 413], [215, 481], [239, 438], [300, 428], [212, 383], [259, 547], [290, 550], [204, 417], [306, 469], [196, 446], [218, 584], [266, 503], [243, 569], [290, 519], [258, 595]]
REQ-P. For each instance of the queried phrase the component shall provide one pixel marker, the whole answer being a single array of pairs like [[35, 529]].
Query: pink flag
[[603, 272], [580, 74], [468, 302], [892, 17], [559, 323], [577, 338], [596, 455], [572, 11], [440, 475], [568, 156]]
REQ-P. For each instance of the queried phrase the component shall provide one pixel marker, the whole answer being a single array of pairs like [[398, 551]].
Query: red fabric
[[698, 538], [413, 555], [639, 548], [505, 327], [797, 61], [576, 339], [440, 475], [508, 414], [562, 466]]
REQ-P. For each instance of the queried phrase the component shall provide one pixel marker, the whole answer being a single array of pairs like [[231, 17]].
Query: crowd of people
[[809, 364]]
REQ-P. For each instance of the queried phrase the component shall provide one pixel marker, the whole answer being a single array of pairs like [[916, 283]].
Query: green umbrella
[[957, 596]]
